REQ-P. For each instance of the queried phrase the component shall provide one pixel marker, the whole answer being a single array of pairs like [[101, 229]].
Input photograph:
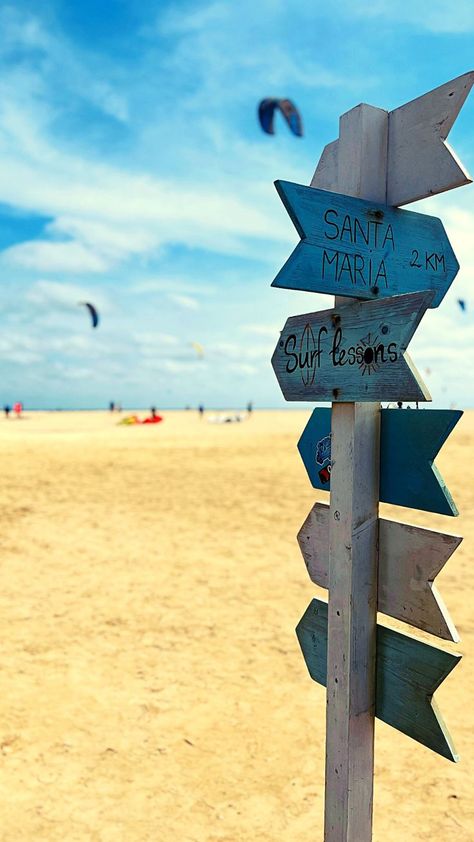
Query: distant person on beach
[[201, 410], [153, 411], [18, 408], [7, 410], [112, 406], [249, 407]]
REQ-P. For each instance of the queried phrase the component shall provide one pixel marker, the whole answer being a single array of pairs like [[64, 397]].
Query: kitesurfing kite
[[462, 304], [199, 349], [92, 310], [266, 112]]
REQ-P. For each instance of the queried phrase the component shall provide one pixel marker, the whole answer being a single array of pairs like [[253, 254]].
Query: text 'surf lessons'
[[307, 354]]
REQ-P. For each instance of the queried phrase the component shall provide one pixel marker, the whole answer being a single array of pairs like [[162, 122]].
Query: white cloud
[[154, 340], [47, 294], [439, 16], [185, 301], [40, 256], [111, 215], [171, 285], [272, 331], [62, 65]]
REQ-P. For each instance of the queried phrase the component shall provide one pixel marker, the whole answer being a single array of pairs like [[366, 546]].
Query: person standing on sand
[[201, 410], [7, 410], [18, 408]]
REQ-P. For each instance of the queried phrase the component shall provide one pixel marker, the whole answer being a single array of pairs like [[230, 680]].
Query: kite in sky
[[266, 112], [92, 310]]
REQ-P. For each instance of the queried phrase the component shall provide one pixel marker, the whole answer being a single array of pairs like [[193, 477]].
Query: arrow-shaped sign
[[409, 443], [410, 558], [420, 162], [363, 249], [408, 673], [352, 353]]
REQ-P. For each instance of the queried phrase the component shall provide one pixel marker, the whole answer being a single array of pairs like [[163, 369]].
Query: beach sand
[[153, 687]]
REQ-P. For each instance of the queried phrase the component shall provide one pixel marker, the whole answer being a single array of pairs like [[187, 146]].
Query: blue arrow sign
[[408, 673], [409, 442], [362, 249], [355, 352]]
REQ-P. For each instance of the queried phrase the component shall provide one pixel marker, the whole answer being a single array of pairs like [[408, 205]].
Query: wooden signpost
[[342, 355], [409, 443], [363, 249]]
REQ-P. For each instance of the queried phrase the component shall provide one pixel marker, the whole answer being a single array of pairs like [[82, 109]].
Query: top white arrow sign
[[420, 162]]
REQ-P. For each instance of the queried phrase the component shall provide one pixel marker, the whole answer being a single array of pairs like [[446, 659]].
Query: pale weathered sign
[[410, 558], [355, 352]]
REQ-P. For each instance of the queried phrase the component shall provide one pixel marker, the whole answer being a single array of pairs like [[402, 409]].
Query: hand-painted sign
[[409, 443], [419, 161], [407, 674], [410, 558], [362, 249], [352, 353]]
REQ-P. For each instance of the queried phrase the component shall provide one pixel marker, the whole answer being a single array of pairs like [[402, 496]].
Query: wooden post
[[353, 536]]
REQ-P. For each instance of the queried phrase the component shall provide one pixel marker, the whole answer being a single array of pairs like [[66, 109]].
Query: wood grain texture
[[356, 352], [408, 672], [325, 176], [362, 160], [353, 247], [409, 444], [420, 161], [410, 558]]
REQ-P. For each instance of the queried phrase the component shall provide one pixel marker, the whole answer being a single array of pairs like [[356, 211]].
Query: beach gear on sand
[[133, 420]]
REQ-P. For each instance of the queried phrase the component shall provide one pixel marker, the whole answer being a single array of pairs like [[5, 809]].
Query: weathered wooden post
[[355, 355], [353, 535]]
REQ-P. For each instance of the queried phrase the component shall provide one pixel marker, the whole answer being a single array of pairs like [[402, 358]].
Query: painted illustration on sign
[[323, 450]]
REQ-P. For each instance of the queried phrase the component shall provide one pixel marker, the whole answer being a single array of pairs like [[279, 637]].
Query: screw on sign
[[357, 244]]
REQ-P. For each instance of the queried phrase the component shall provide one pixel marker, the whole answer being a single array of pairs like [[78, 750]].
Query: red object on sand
[[18, 407], [154, 420]]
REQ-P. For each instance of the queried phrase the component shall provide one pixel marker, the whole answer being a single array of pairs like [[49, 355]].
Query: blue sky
[[134, 175]]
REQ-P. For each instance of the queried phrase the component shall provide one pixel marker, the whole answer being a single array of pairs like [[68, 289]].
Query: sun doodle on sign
[[370, 359]]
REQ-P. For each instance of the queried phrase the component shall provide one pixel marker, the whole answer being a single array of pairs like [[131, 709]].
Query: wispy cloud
[[185, 301], [439, 16], [272, 331]]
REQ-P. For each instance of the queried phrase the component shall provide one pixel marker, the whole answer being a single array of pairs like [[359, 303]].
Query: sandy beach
[[153, 689]]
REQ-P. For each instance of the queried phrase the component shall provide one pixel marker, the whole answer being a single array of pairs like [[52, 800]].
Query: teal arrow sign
[[355, 352], [363, 249], [408, 673], [409, 442]]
